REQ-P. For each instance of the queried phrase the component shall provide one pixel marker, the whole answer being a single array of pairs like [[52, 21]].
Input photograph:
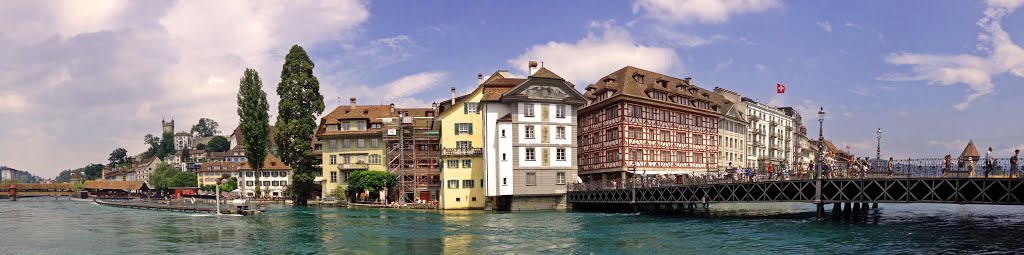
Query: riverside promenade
[[177, 205]]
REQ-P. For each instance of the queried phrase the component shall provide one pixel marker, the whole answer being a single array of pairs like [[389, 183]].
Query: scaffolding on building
[[412, 155]]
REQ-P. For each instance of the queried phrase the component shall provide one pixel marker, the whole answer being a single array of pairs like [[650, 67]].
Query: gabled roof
[[622, 82], [545, 73], [545, 85], [223, 167], [970, 151], [115, 185], [270, 163]]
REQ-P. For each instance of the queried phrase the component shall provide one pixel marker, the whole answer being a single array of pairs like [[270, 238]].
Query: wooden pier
[[175, 208]]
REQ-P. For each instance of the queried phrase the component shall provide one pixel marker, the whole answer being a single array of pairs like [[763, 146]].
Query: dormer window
[[366, 112], [663, 83], [639, 78], [609, 80]]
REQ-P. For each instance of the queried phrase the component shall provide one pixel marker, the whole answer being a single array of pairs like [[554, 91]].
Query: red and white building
[[650, 123]]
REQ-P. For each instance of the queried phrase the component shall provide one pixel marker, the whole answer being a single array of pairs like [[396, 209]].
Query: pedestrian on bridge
[[888, 167], [1013, 162], [988, 162]]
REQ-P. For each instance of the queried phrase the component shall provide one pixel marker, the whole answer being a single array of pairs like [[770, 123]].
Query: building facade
[[732, 132], [209, 172], [771, 136], [273, 180], [530, 145], [460, 125], [413, 149], [141, 170], [641, 122], [183, 140], [352, 141]]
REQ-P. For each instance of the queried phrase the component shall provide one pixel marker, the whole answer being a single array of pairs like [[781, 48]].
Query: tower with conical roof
[[970, 152]]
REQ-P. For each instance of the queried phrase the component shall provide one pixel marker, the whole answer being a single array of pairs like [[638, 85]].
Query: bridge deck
[[875, 190]]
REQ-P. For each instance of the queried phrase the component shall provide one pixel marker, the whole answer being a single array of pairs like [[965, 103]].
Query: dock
[[179, 207]]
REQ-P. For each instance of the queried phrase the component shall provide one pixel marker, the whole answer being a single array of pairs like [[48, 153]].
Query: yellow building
[[209, 172], [351, 138], [460, 124]]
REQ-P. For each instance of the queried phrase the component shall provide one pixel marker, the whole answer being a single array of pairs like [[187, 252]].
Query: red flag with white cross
[[780, 88]]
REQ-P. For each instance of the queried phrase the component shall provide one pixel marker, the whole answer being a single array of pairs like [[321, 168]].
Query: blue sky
[[83, 80]]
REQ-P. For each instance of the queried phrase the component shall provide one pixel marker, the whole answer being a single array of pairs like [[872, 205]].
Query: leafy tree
[[93, 171], [254, 120], [186, 155], [167, 144], [201, 146], [63, 176], [154, 146], [220, 143], [205, 128], [11, 181], [300, 103], [118, 157], [165, 176], [371, 181]]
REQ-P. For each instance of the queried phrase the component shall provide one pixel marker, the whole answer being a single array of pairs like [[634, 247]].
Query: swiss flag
[[780, 88]]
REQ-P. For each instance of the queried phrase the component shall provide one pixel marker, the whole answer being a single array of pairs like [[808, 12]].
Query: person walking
[[770, 172], [1013, 162], [888, 167], [947, 163], [988, 162]]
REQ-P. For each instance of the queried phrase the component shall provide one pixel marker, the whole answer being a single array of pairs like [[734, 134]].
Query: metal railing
[[462, 151], [872, 169]]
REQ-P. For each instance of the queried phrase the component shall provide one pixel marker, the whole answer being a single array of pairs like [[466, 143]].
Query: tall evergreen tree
[[300, 103], [254, 121]]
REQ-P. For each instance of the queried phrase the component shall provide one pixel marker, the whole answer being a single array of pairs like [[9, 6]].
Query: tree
[[167, 145], [185, 155], [93, 171], [370, 181], [165, 176], [118, 157], [201, 146], [254, 120], [154, 146], [300, 103], [205, 128], [220, 143]]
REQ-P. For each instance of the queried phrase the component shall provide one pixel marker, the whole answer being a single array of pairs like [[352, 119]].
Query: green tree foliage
[[159, 146], [11, 181], [220, 143], [167, 144], [186, 156], [371, 181], [231, 185], [165, 176], [118, 157], [254, 120], [201, 146], [93, 171], [154, 145], [301, 102], [205, 128]]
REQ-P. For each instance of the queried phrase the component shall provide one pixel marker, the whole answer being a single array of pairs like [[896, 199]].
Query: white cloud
[[700, 11], [610, 49], [976, 72], [723, 65], [862, 92], [11, 102], [760, 67], [402, 91], [824, 25]]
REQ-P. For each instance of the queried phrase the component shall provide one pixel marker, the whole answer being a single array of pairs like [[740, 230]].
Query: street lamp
[[878, 157], [821, 142]]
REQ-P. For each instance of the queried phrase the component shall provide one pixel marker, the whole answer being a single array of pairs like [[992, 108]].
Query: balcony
[[753, 118], [757, 144], [773, 135], [757, 131], [353, 166], [789, 128], [458, 152], [774, 123]]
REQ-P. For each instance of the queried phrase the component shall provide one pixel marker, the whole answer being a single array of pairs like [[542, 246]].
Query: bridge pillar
[[864, 210], [837, 211], [856, 211], [847, 211], [874, 206], [821, 211]]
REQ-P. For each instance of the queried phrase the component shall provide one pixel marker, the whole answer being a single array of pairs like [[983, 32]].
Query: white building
[[770, 138], [182, 140], [143, 169], [530, 143], [273, 180], [732, 132]]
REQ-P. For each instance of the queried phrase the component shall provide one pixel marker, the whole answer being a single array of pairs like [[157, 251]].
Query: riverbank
[[178, 205]]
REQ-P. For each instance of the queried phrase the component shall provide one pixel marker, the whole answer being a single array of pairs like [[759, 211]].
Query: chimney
[[479, 78], [352, 103], [453, 96], [687, 80], [532, 67], [392, 107]]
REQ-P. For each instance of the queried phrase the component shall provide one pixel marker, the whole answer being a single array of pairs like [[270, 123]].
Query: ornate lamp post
[[821, 142], [878, 157]]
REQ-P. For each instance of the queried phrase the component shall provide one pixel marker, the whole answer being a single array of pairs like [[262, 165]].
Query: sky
[[81, 78]]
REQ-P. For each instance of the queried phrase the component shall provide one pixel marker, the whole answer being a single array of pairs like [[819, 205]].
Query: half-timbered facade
[[641, 122]]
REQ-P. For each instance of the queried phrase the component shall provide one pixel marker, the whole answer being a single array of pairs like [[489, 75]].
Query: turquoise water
[[67, 227]]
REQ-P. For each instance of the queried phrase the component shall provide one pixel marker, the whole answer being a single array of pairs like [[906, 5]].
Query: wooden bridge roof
[[115, 185], [38, 186]]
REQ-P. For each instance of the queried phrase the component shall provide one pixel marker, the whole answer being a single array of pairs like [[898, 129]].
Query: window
[[560, 111], [560, 178], [503, 157], [332, 144], [453, 184], [375, 125], [453, 163], [284, 183], [275, 183], [531, 154], [464, 144], [374, 143], [274, 173], [374, 159], [346, 143], [284, 174], [698, 139], [266, 183], [560, 154], [636, 133], [698, 157], [504, 182], [346, 159], [466, 163], [332, 127], [248, 183], [344, 125], [361, 143], [463, 128], [502, 133], [528, 110], [531, 179], [472, 108], [344, 176], [362, 125], [530, 132], [635, 154], [560, 133], [248, 174], [467, 184]]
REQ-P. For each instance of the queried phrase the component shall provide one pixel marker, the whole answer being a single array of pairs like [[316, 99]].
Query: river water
[[71, 227]]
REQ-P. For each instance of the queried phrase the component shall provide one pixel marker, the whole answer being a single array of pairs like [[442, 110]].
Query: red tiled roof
[[270, 163], [621, 82]]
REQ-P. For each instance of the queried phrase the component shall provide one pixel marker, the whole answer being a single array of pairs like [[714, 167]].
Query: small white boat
[[239, 201]]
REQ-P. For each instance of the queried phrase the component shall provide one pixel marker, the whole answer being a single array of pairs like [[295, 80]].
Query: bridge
[[16, 190], [910, 181]]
